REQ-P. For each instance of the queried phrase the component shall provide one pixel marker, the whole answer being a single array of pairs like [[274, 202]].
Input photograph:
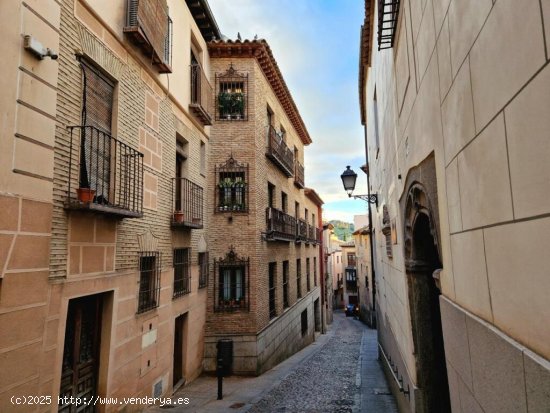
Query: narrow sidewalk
[[239, 393]]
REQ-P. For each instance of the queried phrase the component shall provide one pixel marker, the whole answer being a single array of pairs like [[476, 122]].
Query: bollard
[[219, 372]]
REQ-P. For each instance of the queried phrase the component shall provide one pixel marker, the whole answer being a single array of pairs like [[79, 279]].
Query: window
[[351, 259], [270, 195], [299, 278], [231, 95], [376, 134], [306, 215], [282, 133], [285, 284], [308, 275], [284, 202], [232, 193], [149, 281], [269, 116], [96, 147], [297, 210], [203, 158], [272, 287], [203, 269], [231, 286], [315, 271], [182, 148], [303, 319], [182, 275]]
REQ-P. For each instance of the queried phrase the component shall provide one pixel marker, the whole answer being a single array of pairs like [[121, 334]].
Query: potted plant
[[224, 105], [237, 104], [85, 195], [178, 216]]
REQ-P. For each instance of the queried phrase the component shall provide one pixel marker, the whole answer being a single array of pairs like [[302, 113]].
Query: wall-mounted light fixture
[[36, 48], [348, 179]]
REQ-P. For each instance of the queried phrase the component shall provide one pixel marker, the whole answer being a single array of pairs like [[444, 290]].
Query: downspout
[[373, 272]]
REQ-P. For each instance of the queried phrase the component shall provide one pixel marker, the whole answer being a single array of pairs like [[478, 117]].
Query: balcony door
[[96, 151]]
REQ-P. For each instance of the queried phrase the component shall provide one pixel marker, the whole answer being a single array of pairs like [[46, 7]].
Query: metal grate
[[231, 285], [203, 269], [182, 272], [232, 186], [149, 280], [388, 14], [231, 95]]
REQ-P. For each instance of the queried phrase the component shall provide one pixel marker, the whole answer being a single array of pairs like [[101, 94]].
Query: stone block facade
[[454, 115]]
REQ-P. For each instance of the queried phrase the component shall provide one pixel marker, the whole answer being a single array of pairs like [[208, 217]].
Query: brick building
[[106, 295], [265, 289]]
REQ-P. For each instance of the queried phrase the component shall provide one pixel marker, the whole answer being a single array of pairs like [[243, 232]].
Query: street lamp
[[348, 179]]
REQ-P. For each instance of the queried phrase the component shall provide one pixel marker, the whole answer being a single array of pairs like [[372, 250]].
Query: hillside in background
[[343, 230]]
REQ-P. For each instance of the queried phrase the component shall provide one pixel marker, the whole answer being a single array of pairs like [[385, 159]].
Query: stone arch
[[422, 253]]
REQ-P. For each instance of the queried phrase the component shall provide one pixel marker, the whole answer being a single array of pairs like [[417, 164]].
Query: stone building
[[327, 274], [454, 97], [103, 293], [265, 290], [349, 274], [364, 275]]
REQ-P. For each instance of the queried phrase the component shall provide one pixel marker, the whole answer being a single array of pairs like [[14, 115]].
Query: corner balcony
[[105, 175], [299, 175], [188, 204], [280, 225], [201, 95], [279, 153]]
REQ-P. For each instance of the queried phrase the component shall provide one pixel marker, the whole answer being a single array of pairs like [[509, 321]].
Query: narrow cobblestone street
[[338, 373]]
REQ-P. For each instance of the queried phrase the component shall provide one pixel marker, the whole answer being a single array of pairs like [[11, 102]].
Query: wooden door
[[81, 353]]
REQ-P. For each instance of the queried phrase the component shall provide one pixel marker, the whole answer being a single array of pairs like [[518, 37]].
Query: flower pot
[[178, 217], [85, 195]]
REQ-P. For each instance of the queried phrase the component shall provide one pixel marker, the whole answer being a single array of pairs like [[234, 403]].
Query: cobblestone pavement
[[338, 373], [344, 376]]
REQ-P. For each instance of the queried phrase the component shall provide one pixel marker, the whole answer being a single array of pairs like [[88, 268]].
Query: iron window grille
[[149, 280], [232, 186], [388, 14], [231, 95], [308, 274], [203, 269], [182, 272], [299, 278], [272, 290], [285, 284], [150, 27], [231, 285]]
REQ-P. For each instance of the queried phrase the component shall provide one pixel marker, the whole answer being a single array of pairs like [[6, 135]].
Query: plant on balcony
[[84, 193], [224, 104], [178, 216]]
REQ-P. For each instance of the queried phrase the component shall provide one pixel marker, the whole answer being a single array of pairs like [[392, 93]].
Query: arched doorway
[[422, 264]]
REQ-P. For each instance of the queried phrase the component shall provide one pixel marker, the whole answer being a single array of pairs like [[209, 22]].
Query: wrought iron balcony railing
[[299, 174], [201, 95], [301, 230], [280, 225], [279, 153], [311, 234], [105, 175], [188, 203]]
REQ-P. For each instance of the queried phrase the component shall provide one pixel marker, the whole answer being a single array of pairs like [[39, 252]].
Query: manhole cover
[[236, 405]]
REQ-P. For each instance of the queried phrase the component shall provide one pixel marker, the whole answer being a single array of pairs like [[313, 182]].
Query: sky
[[316, 45]]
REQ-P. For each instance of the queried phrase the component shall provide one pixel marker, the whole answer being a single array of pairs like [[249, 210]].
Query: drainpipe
[[373, 272]]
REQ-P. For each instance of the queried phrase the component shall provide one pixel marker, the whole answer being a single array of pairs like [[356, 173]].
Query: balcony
[[201, 95], [280, 225], [150, 28], [105, 175], [279, 153], [351, 285], [311, 234], [301, 230], [188, 204], [299, 175]]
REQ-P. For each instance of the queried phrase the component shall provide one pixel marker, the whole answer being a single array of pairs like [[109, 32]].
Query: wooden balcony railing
[[279, 153], [188, 204], [298, 174], [280, 225], [105, 175], [201, 95]]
